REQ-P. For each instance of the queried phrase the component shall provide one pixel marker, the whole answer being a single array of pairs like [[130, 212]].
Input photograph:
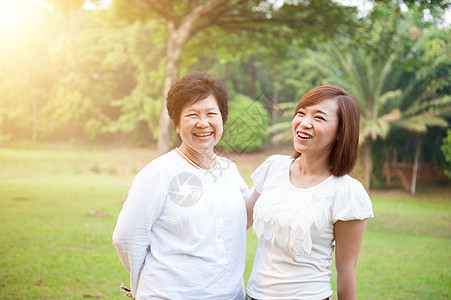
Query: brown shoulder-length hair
[[344, 154]]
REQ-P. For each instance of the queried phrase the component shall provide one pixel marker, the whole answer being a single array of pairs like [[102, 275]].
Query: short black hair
[[192, 88]]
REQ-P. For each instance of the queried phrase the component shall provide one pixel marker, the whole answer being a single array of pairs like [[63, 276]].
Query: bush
[[446, 149], [246, 127]]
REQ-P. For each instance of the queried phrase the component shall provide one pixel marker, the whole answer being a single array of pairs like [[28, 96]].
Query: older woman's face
[[200, 126]]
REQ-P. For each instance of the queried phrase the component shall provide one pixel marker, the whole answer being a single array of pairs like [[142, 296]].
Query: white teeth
[[304, 135], [203, 134]]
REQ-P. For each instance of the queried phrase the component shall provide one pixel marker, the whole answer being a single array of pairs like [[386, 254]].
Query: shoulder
[[225, 162], [226, 166], [271, 171], [279, 157], [348, 183], [158, 166], [351, 200], [276, 160], [273, 163]]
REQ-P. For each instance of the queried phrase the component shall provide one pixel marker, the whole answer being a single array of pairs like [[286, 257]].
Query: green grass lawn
[[59, 209]]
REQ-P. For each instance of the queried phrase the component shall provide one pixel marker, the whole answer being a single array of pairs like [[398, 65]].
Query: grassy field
[[59, 208]]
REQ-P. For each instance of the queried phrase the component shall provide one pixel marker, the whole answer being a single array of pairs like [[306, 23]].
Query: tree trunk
[[416, 162], [34, 111], [273, 104], [176, 41], [178, 36], [367, 163], [388, 169], [254, 80]]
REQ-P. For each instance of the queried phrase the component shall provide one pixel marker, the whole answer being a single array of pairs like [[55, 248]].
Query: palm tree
[[416, 119], [379, 83]]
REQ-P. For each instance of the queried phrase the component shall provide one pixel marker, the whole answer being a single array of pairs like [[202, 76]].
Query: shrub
[[446, 149], [246, 127]]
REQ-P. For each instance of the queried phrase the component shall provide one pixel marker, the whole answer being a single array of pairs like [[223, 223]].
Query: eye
[[300, 113], [320, 118]]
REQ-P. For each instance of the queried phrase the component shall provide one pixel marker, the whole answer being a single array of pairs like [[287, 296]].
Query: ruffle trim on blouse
[[289, 219]]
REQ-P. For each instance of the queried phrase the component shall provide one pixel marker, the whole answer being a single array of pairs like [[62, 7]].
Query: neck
[[205, 160], [313, 165]]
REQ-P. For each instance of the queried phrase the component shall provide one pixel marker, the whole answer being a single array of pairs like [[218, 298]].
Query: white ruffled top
[[295, 227]]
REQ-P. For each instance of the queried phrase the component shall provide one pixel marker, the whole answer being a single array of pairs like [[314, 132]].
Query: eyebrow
[[321, 112], [316, 111], [208, 109]]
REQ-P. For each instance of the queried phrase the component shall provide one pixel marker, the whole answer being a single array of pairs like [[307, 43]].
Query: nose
[[202, 122], [306, 123]]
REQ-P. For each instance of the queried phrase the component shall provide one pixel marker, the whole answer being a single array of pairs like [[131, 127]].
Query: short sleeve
[[259, 175], [352, 202]]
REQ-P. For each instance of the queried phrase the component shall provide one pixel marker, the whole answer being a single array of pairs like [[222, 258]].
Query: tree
[[446, 149], [246, 127], [376, 71], [185, 19], [26, 77], [140, 55]]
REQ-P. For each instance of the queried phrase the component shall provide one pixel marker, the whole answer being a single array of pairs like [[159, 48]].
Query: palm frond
[[392, 116], [286, 106], [380, 102], [281, 137], [382, 77], [433, 105], [411, 125], [354, 78], [280, 126]]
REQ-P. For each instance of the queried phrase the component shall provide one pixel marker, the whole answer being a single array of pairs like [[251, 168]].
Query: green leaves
[[446, 150], [246, 126]]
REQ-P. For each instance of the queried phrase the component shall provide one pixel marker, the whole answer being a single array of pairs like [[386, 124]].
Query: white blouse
[[182, 231], [295, 227]]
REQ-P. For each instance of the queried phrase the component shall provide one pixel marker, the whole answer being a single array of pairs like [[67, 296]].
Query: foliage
[[312, 21], [380, 73], [142, 55], [25, 78], [81, 77], [76, 74], [246, 127], [281, 131], [73, 74], [446, 149], [431, 148], [379, 154]]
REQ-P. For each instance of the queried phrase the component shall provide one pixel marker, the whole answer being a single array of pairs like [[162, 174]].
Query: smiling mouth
[[203, 134], [304, 135]]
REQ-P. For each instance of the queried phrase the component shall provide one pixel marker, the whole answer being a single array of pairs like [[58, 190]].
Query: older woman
[[306, 205], [182, 230]]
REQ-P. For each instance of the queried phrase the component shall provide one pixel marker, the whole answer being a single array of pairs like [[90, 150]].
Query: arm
[[250, 208], [131, 237], [348, 239]]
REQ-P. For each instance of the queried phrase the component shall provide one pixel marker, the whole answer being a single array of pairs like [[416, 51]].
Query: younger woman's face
[[315, 128]]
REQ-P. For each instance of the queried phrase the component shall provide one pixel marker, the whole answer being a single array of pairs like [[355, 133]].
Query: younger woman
[[306, 206]]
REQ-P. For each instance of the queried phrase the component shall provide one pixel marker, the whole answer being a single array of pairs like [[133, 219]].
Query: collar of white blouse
[[193, 163]]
